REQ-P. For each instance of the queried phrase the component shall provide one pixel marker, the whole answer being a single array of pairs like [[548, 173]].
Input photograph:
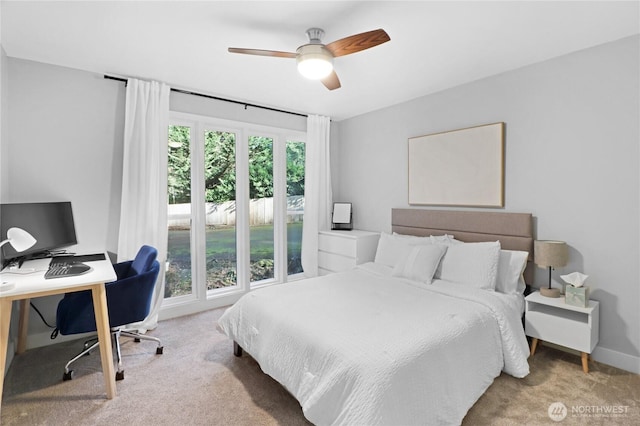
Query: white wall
[[4, 138], [65, 135], [4, 122], [65, 144], [572, 159]]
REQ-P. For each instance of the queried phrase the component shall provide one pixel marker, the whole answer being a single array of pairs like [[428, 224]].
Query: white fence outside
[[224, 214]]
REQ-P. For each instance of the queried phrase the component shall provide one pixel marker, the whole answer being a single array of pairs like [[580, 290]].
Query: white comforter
[[363, 348]]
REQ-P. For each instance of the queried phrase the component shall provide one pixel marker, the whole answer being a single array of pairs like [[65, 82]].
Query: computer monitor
[[51, 224]]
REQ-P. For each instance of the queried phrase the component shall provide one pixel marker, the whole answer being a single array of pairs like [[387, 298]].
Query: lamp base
[[550, 292]]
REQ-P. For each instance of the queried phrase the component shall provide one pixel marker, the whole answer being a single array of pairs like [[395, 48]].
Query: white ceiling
[[434, 45]]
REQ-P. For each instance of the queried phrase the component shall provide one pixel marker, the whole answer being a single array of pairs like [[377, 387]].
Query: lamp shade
[[19, 239], [314, 61], [552, 254]]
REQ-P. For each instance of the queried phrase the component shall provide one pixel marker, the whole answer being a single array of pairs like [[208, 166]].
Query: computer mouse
[[78, 268]]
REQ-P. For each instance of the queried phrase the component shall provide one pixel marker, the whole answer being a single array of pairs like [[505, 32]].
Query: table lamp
[[550, 254], [19, 239]]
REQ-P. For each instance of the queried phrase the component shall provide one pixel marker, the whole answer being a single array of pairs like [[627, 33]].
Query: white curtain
[[317, 190], [143, 211]]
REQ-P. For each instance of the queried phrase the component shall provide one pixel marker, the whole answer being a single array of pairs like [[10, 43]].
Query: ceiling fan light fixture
[[315, 62]]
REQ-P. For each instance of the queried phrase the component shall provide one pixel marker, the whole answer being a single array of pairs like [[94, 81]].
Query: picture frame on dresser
[[342, 217]]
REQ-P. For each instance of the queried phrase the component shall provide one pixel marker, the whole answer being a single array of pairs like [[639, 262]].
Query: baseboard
[[44, 339], [607, 356], [617, 359], [169, 311]]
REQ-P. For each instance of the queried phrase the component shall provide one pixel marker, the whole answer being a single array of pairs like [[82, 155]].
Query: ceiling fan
[[315, 60]]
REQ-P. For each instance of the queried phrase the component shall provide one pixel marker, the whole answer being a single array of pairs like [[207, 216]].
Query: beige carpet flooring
[[198, 381]]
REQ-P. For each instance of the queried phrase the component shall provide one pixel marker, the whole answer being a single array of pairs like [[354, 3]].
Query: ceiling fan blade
[[332, 81], [274, 53], [358, 42]]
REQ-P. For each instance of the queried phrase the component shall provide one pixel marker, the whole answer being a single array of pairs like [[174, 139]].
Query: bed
[[415, 337]]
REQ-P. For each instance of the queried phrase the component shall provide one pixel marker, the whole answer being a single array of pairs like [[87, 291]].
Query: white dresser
[[342, 250]]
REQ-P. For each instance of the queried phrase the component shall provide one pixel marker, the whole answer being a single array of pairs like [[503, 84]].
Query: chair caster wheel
[[159, 350], [67, 376], [136, 340], [120, 375]]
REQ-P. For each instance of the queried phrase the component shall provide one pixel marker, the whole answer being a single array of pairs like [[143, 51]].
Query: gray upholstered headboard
[[513, 230]]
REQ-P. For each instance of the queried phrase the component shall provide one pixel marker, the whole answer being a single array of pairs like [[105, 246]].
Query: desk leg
[[5, 319], [23, 326], [104, 337]]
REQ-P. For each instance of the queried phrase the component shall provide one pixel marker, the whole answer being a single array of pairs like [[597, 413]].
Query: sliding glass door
[[220, 209], [178, 280], [295, 154], [236, 200], [261, 209]]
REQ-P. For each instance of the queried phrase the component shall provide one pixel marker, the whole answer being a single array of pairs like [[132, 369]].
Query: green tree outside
[[220, 183]]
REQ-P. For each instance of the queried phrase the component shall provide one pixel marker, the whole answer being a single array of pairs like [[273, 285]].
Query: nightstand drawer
[[552, 321], [571, 333]]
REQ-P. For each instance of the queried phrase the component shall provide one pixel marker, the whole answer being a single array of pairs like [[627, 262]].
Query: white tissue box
[[576, 296]]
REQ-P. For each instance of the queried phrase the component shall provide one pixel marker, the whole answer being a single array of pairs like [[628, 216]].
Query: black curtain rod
[[246, 104]]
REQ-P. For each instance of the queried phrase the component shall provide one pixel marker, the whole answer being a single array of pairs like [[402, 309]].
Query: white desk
[[32, 285]]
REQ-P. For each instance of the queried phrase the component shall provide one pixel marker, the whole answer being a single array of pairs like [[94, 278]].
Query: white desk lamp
[[19, 239]]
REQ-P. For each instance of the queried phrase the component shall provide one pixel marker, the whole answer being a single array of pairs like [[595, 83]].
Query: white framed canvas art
[[458, 168]]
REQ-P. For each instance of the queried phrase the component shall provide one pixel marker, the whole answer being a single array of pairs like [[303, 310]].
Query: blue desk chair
[[128, 302]]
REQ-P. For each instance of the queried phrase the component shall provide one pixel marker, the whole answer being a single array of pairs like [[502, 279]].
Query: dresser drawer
[[342, 250], [335, 262], [337, 245]]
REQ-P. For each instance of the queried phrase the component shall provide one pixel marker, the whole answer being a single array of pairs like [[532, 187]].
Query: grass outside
[[221, 256]]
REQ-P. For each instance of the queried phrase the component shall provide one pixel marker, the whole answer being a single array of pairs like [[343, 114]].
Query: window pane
[[295, 205], [261, 208], [220, 202], [178, 274]]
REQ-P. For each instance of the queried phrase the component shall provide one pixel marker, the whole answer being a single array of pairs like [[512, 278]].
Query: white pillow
[[475, 264], [422, 240], [444, 239], [421, 264], [511, 266], [392, 248]]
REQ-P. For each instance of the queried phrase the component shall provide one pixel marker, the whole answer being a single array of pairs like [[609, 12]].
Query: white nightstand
[[551, 320], [342, 250]]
